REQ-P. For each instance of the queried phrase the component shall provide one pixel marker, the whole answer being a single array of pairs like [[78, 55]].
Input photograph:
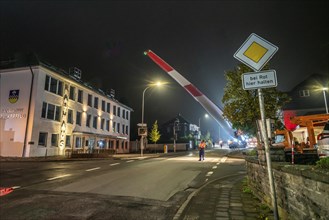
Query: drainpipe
[[28, 113]]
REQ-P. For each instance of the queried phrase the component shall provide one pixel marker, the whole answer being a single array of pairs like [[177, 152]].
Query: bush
[[323, 163]]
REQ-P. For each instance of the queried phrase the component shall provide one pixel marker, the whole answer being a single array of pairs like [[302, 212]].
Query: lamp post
[[175, 135], [142, 136], [325, 99], [206, 116]]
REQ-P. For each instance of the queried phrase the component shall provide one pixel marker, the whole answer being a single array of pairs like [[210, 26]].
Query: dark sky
[[106, 40]]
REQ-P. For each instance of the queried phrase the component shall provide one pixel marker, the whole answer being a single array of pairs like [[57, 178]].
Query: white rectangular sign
[[257, 80]]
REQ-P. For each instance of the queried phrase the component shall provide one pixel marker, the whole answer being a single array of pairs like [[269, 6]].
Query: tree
[[242, 106], [154, 135]]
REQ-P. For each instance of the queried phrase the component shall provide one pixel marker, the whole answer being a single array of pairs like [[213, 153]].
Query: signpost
[[256, 80], [255, 52]]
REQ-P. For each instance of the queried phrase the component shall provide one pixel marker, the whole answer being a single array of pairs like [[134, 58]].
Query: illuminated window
[[90, 100], [54, 140], [80, 96], [78, 118], [304, 93], [72, 93], [42, 139]]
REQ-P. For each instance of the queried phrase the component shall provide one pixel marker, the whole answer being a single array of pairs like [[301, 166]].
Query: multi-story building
[[45, 111]]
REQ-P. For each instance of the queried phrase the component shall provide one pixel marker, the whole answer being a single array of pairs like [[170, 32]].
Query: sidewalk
[[224, 199]]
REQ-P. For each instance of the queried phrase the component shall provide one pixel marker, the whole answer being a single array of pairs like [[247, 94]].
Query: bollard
[[165, 149]]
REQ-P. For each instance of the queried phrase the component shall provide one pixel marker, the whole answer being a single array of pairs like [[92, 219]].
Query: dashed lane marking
[[209, 173], [114, 164], [58, 177], [214, 167], [96, 168], [129, 161]]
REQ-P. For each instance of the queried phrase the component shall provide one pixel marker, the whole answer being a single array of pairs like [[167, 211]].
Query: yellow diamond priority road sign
[[255, 52]]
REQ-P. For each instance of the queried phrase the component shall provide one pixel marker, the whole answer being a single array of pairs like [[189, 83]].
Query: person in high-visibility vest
[[202, 146]]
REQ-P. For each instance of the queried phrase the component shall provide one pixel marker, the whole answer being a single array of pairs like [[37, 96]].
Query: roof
[[32, 59]]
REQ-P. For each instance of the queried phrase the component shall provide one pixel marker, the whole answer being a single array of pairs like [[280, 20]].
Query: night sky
[[106, 40]]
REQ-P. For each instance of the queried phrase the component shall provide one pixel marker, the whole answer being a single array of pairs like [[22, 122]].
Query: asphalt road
[[148, 188]]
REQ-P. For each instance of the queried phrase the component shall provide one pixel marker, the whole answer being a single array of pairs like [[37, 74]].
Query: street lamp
[[142, 125], [175, 135], [325, 99], [206, 116]]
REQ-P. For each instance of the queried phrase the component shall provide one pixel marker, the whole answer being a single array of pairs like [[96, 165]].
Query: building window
[[102, 123], [88, 120], [108, 109], [78, 118], [51, 111], [113, 126], [78, 142], [123, 129], [80, 96], [90, 100], [304, 93], [108, 125], [119, 111], [118, 127], [68, 141], [127, 129], [70, 116], [95, 122], [114, 110], [53, 85], [123, 113], [54, 140], [96, 102], [42, 139], [127, 114], [72, 93], [103, 105]]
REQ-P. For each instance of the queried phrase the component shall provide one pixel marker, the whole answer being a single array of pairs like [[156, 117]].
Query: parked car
[[323, 141]]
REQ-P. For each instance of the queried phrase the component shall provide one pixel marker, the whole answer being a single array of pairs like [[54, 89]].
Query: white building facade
[[46, 112]]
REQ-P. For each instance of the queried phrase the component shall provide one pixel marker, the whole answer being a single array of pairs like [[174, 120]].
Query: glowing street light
[[325, 99], [142, 125]]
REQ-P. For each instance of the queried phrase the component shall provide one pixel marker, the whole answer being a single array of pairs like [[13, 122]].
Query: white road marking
[[58, 177], [209, 173], [114, 164], [218, 163], [214, 167], [96, 168], [223, 159], [16, 187], [129, 161]]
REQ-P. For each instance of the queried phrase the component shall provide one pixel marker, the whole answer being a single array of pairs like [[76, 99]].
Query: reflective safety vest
[[202, 145]]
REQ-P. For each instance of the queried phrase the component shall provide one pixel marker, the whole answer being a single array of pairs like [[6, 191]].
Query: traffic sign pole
[[255, 52], [267, 153]]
